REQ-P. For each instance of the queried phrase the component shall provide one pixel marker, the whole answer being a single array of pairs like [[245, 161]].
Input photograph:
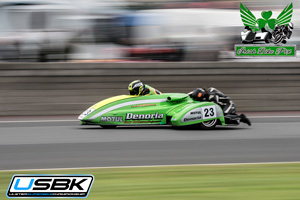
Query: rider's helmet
[[136, 87], [199, 94]]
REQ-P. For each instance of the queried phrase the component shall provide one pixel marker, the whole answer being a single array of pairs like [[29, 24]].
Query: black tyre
[[108, 126], [208, 125], [267, 40]]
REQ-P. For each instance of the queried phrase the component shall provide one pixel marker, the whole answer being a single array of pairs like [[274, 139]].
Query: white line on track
[[179, 165], [73, 120]]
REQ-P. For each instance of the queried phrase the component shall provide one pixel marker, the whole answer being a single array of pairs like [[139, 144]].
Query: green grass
[[226, 182]]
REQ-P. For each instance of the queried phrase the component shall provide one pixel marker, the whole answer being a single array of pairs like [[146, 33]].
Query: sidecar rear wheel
[[208, 125]]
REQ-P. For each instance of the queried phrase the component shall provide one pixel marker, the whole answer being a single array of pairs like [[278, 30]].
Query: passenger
[[138, 88], [217, 97]]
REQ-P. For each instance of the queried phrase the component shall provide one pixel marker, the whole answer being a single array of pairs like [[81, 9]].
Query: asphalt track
[[38, 145]]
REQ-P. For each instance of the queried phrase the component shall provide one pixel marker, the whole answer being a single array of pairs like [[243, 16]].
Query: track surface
[[66, 144]]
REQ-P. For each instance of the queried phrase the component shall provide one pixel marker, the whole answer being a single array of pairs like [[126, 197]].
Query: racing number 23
[[209, 112]]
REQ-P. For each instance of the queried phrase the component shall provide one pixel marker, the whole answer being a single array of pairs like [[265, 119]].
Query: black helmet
[[136, 87], [198, 94]]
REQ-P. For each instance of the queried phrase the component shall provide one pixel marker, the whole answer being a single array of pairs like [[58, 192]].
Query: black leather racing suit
[[228, 107], [221, 99]]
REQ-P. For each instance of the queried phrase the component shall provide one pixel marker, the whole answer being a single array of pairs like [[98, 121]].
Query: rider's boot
[[244, 119]]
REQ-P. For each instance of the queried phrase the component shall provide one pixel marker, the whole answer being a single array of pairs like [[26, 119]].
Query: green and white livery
[[254, 24], [176, 109]]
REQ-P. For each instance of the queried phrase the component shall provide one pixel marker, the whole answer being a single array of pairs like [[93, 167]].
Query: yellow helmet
[[136, 87]]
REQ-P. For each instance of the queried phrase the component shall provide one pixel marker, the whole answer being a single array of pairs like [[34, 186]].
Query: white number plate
[[209, 112]]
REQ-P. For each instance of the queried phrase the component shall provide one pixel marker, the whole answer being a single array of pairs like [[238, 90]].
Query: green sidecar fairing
[[176, 109]]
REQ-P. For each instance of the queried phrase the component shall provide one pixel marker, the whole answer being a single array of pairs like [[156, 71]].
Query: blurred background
[[126, 30], [58, 57]]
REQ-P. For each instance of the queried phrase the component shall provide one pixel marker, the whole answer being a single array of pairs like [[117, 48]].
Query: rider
[[138, 88], [216, 96]]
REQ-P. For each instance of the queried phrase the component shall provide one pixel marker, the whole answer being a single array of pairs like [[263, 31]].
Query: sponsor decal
[[86, 113], [131, 116], [192, 115], [111, 119], [143, 105], [192, 119], [206, 112], [142, 122], [50, 186], [266, 29], [196, 113]]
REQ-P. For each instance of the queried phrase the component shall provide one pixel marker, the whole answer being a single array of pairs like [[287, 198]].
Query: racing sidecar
[[248, 36], [176, 109]]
